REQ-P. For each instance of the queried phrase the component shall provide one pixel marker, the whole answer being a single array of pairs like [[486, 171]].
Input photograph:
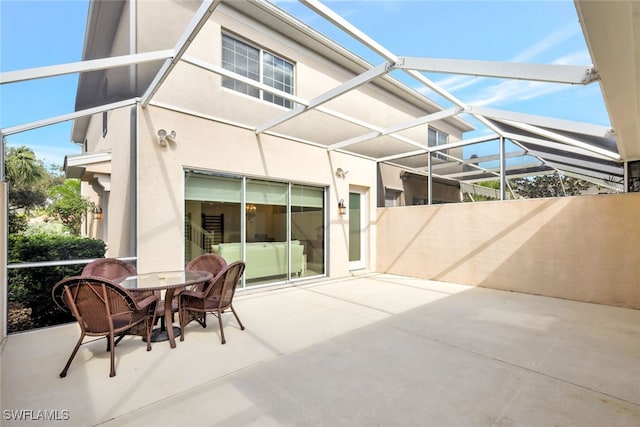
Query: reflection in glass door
[[356, 232], [276, 228]]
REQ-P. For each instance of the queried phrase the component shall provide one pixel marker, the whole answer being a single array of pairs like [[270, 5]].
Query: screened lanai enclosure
[[242, 215]]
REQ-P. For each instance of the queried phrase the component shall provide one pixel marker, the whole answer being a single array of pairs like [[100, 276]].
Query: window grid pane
[[244, 59], [241, 59]]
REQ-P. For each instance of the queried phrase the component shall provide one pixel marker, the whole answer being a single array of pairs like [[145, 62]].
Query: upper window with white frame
[[259, 65], [437, 138]]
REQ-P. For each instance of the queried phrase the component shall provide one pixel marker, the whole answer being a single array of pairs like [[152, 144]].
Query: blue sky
[[40, 33]]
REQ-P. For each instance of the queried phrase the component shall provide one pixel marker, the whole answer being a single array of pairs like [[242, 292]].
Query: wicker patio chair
[[103, 308], [215, 298], [212, 263], [109, 268]]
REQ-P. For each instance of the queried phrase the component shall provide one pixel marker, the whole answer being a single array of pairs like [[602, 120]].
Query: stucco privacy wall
[[580, 248], [211, 146]]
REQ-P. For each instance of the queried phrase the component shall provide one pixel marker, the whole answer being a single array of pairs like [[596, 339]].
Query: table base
[[160, 334]]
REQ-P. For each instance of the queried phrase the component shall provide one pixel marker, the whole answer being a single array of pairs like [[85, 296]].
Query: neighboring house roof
[[76, 166]]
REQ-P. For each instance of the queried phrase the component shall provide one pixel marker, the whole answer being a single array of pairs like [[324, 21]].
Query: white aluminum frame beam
[[543, 121], [553, 73], [489, 158], [83, 66], [562, 138], [515, 137], [496, 170], [398, 128], [584, 172], [341, 89], [354, 32], [59, 119], [226, 73], [556, 158], [199, 20], [619, 187]]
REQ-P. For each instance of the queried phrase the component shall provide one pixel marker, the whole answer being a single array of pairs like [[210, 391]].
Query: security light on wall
[[166, 137], [341, 173]]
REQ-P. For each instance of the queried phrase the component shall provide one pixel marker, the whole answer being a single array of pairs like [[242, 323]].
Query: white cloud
[[547, 43], [508, 92]]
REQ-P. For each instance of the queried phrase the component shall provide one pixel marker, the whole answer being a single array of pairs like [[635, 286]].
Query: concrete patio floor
[[369, 350]]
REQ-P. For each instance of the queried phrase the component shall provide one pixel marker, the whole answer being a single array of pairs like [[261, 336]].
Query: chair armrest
[[194, 294], [143, 303]]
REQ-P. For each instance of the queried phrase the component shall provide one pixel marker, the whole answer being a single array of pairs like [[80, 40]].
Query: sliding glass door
[[277, 228]]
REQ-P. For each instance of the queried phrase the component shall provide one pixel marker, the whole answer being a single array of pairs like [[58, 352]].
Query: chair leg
[[237, 318], [116, 341], [113, 369], [148, 327], [224, 341], [181, 317], [73, 354]]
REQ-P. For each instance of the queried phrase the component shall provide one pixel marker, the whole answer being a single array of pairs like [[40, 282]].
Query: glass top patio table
[[170, 282], [163, 280]]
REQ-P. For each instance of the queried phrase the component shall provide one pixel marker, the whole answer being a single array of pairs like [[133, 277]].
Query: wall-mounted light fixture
[[251, 212], [341, 173], [97, 212], [165, 137], [342, 208]]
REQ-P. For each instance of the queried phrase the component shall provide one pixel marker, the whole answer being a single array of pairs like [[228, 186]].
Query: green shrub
[[30, 288]]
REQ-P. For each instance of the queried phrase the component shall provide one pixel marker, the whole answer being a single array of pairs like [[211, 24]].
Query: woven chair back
[[225, 285], [109, 268], [213, 263], [98, 304]]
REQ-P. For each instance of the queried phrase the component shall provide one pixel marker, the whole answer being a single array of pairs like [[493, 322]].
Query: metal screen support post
[[503, 168], [430, 180]]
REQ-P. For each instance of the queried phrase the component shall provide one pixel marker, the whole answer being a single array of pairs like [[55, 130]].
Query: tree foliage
[[68, 206], [22, 167], [28, 184], [31, 287], [548, 186]]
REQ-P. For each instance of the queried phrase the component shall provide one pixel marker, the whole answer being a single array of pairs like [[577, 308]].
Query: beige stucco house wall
[[582, 248], [215, 130], [208, 145]]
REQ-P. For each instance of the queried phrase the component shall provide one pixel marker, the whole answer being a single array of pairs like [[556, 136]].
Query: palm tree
[[22, 167]]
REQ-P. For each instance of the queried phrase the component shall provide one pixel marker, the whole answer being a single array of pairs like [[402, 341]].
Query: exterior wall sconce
[[97, 212], [251, 212], [165, 137], [342, 208]]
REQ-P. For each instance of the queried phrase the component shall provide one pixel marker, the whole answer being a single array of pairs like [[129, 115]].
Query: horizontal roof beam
[[593, 165], [543, 121], [376, 47], [404, 126], [345, 87], [83, 66], [561, 138], [483, 159], [524, 140], [301, 101], [553, 73], [66, 117], [607, 183], [583, 172]]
